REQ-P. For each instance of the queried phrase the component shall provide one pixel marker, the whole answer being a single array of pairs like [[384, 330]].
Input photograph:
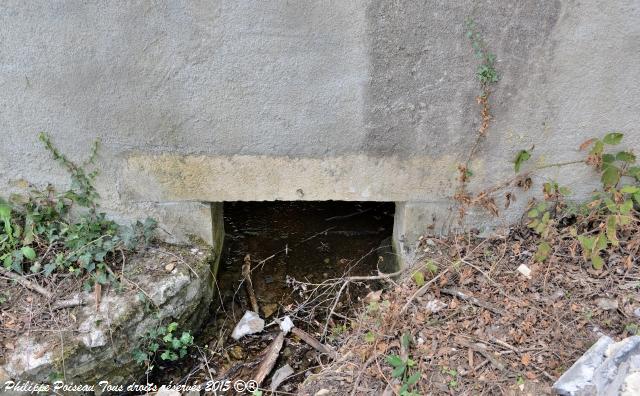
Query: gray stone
[[578, 380], [607, 368], [250, 323], [101, 346]]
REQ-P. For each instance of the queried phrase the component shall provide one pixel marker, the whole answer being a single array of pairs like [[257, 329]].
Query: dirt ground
[[477, 326]]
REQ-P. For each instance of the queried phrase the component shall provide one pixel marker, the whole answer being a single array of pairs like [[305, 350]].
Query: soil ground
[[502, 334]]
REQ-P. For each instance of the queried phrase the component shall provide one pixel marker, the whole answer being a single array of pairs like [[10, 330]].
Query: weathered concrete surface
[[355, 100]]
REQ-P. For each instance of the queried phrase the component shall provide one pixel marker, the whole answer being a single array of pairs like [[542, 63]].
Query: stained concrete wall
[[204, 101]]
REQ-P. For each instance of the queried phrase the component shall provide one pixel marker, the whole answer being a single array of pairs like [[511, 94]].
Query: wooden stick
[[472, 300], [317, 345], [70, 303], [26, 282], [246, 273], [271, 355]]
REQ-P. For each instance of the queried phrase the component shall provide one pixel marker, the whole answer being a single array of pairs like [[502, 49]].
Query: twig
[[471, 299], [317, 345], [422, 290], [349, 279], [246, 273], [356, 383], [349, 215], [26, 283], [271, 355], [70, 303]]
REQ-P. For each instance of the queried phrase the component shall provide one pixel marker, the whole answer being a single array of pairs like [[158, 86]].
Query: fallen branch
[[482, 349], [26, 282], [472, 300], [271, 355], [317, 345], [246, 273], [70, 303], [349, 279], [422, 290]]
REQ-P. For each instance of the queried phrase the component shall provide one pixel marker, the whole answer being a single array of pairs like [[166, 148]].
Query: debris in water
[[250, 323]]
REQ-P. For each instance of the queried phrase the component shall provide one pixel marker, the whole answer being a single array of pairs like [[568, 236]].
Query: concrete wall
[[201, 101]]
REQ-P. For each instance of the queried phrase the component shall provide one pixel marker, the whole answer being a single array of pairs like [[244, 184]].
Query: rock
[[236, 352], [607, 368], [607, 304], [579, 377], [269, 309], [250, 323], [631, 385], [286, 325], [636, 312], [90, 354], [169, 267], [524, 270], [280, 375], [323, 392]]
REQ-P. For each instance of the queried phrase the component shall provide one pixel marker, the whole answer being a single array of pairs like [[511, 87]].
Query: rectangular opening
[[307, 239]]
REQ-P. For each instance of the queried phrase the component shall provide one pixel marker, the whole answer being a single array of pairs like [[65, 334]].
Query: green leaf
[[186, 338], [521, 157], [543, 252], [629, 189], [626, 156], [395, 361], [412, 380], [398, 371], [597, 148], [613, 138], [597, 262], [7, 261], [49, 268], [610, 176], [601, 243], [405, 340], [431, 267], [418, 277], [532, 213], [101, 278], [5, 212], [154, 347], [586, 242], [369, 337], [634, 171], [608, 159], [612, 225], [28, 252], [626, 206], [171, 327], [139, 356]]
